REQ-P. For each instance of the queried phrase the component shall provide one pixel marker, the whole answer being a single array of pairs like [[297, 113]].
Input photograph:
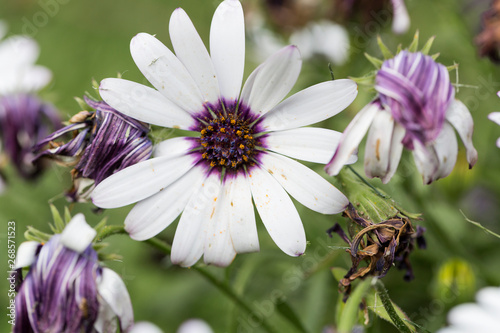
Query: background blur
[[82, 40]]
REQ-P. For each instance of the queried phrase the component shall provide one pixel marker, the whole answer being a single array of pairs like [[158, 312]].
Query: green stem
[[111, 230], [366, 182], [386, 302], [223, 287]]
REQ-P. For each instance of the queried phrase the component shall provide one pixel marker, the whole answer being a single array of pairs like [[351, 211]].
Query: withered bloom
[[380, 245], [488, 40], [103, 142]]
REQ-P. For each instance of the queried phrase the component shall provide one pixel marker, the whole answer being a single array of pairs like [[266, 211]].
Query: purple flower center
[[417, 91], [229, 136]]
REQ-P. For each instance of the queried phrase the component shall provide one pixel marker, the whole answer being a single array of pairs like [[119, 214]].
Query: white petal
[[308, 143], [219, 249], [336, 47], [473, 318], [34, 78], [396, 151], [165, 72], [446, 147], [173, 147], [494, 116], [305, 185], [400, 19], [459, 116], [77, 235], [489, 299], [378, 145], [26, 254], [277, 212], [18, 51], [227, 47], [194, 326], [145, 327], [143, 103], [152, 215], [351, 138], [242, 225], [141, 180], [112, 289], [189, 239], [191, 51], [426, 160], [273, 81], [311, 105]]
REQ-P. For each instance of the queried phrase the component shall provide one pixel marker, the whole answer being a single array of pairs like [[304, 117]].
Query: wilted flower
[[375, 11], [66, 290], [483, 316], [239, 149], [415, 108], [103, 142], [495, 116], [24, 118], [380, 245], [488, 40]]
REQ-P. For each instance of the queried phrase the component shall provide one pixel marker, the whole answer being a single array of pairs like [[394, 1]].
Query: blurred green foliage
[[81, 40]]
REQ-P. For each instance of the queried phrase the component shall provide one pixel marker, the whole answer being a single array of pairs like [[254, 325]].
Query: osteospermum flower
[[415, 108], [238, 151], [24, 118], [66, 290], [103, 142], [482, 316]]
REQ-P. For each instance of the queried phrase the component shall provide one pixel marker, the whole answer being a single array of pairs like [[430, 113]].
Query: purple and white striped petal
[[446, 148], [227, 47], [427, 162]]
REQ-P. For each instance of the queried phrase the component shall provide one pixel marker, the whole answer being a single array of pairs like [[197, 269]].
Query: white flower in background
[[194, 326], [145, 327], [400, 17], [239, 149], [483, 316], [495, 116]]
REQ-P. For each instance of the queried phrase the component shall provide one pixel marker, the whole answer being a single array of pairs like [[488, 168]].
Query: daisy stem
[[110, 230], [226, 289]]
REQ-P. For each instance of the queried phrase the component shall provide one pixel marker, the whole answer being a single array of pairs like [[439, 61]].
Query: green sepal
[[414, 44], [427, 46], [59, 224], [375, 61], [452, 67], [386, 53], [83, 105], [33, 234], [435, 56], [368, 80]]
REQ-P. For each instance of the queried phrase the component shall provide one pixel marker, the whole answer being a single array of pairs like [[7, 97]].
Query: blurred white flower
[[194, 326], [483, 316], [495, 117], [145, 327]]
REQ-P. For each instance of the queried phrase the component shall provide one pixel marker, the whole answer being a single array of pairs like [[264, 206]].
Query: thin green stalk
[[366, 182], [386, 301], [226, 289], [110, 230]]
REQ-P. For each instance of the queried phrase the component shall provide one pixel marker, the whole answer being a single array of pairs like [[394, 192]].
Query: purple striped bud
[[24, 120], [66, 290], [417, 91], [103, 142]]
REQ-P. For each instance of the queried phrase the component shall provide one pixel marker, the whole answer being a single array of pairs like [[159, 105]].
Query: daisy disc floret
[[239, 145], [415, 108]]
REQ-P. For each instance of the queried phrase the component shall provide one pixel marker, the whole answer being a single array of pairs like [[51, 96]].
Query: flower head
[[415, 108], [24, 118], [103, 142], [238, 150], [66, 290]]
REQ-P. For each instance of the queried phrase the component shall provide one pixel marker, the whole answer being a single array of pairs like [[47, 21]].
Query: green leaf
[[386, 53], [349, 316], [374, 304], [375, 61], [286, 311], [427, 47], [414, 44]]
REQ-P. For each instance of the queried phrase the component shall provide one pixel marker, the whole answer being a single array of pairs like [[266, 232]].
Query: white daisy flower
[[238, 153], [18, 55], [483, 316], [194, 326]]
